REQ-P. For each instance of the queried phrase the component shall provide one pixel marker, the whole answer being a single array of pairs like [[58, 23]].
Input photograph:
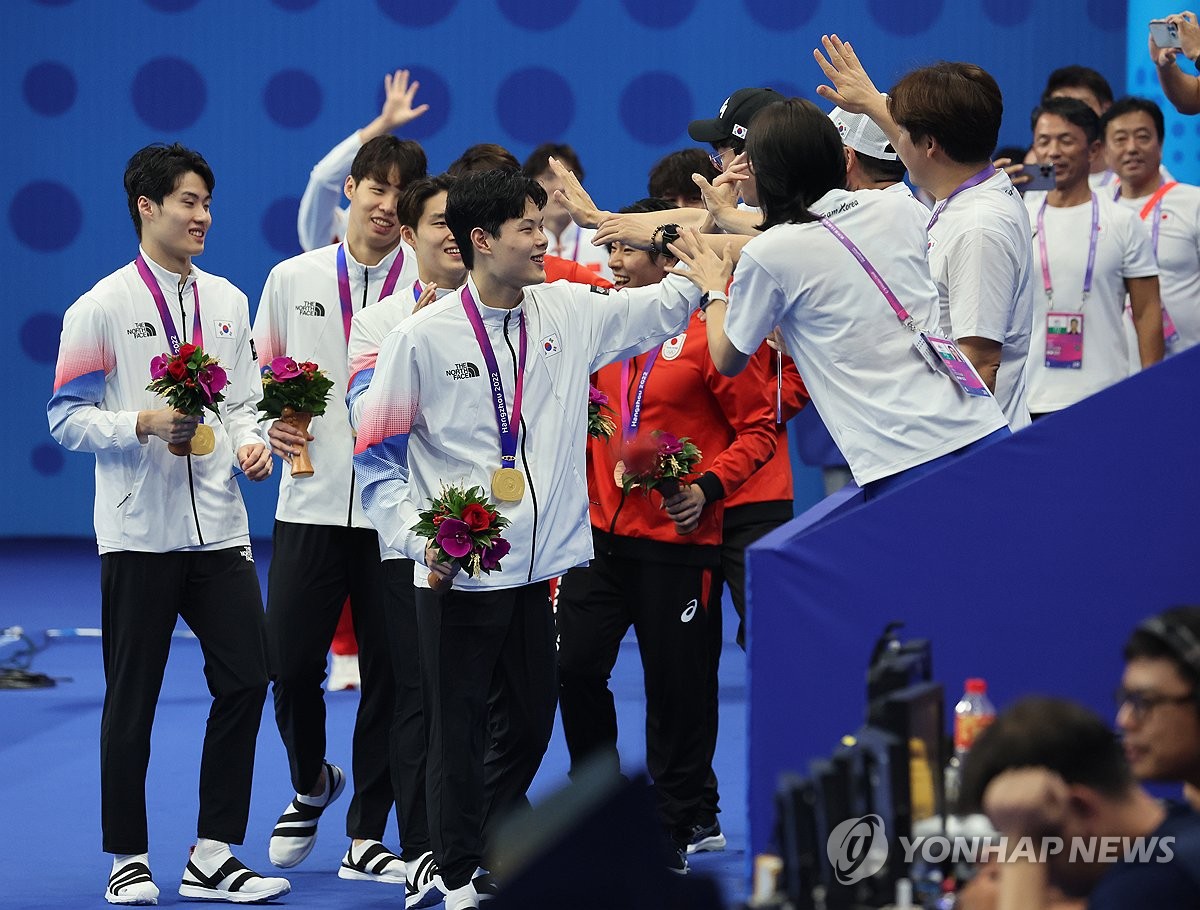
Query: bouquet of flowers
[[465, 528], [659, 462], [191, 382], [295, 393], [600, 425]]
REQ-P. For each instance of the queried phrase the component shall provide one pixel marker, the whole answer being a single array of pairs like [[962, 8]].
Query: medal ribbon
[[508, 427], [164, 312], [389, 284], [965, 185], [1047, 284], [631, 417]]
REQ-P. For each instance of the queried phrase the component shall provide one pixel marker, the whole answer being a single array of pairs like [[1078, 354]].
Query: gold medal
[[204, 441], [508, 485], [619, 474]]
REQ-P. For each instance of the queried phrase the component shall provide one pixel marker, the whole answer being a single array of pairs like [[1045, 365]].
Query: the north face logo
[[310, 308], [463, 371], [141, 330]]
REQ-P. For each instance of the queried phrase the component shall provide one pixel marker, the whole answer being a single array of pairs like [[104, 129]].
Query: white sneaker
[[343, 673], [295, 833], [375, 863], [464, 898], [422, 886], [131, 883], [231, 881]]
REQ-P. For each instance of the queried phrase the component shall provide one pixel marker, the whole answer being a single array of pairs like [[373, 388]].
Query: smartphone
[[1164, 33], [1042, 177]]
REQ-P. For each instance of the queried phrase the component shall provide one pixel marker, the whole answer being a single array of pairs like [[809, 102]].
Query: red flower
[[640, 456], [308, 366], [438, 519], [186, 351], [177, 368], [476, 517]]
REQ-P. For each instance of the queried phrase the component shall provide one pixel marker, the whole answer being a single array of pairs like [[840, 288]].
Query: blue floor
[[49, 770]]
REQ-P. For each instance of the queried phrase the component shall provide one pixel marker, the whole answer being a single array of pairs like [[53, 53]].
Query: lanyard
[[897, 307], [168, 323], [389, 284], [977, 179], [631, 417], [1047, 284], [1154, 204], [508, 428]]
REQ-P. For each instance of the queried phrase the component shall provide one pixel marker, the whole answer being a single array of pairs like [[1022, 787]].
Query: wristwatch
[[706, 298], [670, 233]]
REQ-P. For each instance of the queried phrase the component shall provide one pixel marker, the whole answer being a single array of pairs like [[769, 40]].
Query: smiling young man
[[1090, 254], [505, 351], [324, 546], [172, 531]]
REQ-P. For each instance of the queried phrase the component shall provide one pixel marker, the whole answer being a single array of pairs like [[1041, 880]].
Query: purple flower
[[596, 397], [211, 379], [158, 366], [669, 444], [283, 368], [490, 558], [454, 537]]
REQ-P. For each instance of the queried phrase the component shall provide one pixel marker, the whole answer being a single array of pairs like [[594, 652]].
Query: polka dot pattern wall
[[263, 88], [1181, 144]]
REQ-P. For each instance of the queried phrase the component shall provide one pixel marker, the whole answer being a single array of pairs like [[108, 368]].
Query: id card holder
[[922, 345], [954, 362], [1170, 333], [1064, 341]]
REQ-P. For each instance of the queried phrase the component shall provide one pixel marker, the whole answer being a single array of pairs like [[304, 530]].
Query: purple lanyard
[[897, 307], [173, 338], [631, 417], [1154, 204], [979, 178], [389, 284], [1091, 260], [508, 428]]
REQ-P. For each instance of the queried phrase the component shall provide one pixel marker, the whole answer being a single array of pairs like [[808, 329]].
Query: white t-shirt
[[1122, 251], [575, 243], [886, 409], [1178, 258], [982, 264]]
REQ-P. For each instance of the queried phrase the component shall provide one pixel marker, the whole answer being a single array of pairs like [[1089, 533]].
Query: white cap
[[860, 133]]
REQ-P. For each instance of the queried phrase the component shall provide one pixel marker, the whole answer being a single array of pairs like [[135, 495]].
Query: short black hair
[[880, 168], [538, 161], [1076, 76], [958, 104], [1014, 153], [487, 199], [649, 204], [797, 156], [155, 171], [1131, 104], [412, 201], [384, 155], [1052, 733], [483, 156], [1167, 636], [671, 177], [1072, 110]]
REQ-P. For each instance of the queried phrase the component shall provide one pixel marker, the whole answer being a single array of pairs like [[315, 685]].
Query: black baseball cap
[[735, 115]]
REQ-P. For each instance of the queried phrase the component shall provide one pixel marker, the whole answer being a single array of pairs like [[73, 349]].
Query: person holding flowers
[[487, 388], [658, 552], [171, 528]]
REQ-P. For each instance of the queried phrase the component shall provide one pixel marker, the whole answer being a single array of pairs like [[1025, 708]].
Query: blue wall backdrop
[[264, 89], [1181, 150]]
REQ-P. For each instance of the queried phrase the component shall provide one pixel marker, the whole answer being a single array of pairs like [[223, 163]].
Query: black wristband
[[670, 233]]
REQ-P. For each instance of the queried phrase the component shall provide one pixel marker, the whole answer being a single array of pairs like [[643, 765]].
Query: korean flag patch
[[550, 345], [224, 328]]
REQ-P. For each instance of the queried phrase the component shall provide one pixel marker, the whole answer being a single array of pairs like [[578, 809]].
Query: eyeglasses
[[1142, 703], [715, 158]]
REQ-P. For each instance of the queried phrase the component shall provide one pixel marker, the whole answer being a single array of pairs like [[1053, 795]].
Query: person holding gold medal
[[489, 387], [172, 530]]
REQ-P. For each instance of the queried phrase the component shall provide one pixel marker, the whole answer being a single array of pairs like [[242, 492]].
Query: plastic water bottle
[[973, 713]]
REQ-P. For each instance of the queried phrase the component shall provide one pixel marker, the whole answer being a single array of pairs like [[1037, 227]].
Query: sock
[[210, 852], [121, 859]]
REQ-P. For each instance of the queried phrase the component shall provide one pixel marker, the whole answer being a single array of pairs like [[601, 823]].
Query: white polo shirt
[[886, 409], [982, 263], [1122, 251]]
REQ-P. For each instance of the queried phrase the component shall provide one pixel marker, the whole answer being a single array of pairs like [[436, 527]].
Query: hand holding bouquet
[[599, 425], [191, 382], [295, 393], [660, 461], [463, 529]]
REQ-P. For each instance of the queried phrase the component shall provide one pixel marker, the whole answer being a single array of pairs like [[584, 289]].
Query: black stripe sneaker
[[131, 883], [231, 882], [422, 885], [374, 863], [706, 838], [295, 833]]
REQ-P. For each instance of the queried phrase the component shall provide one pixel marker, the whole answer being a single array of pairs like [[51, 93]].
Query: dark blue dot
[[295, 6], [535, 105], [1177, 156], [651, 123], [904, 18], [417, 15], [1177, 129], [538, 17], [47, 459], [1007, 12], [781, 16], [171, 6], [169, 94], [433, 91], [1139, 76], [1108, 15], [659, 13], [49, 88], [279, 225], [53, 2], [28, 216], [292, 98], [39, 337]]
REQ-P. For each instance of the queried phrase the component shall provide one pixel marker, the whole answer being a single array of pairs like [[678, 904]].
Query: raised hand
[[574, 198], [398, 94]]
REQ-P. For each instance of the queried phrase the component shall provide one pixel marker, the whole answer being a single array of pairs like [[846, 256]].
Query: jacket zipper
[[191, 478], [350, 504], [524, 458]]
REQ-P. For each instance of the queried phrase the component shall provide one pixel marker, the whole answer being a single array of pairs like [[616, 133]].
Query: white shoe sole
[[384, 878], [708, 845], [200, 893], [131, 901]]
